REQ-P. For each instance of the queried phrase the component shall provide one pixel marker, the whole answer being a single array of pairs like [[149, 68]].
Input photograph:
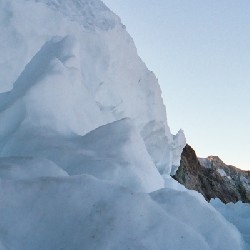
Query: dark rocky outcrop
[[213, 178]]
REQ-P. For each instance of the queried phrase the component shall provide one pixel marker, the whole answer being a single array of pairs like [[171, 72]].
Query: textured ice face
[[73, 173], [22, 37], [74, 67], [91, 14]]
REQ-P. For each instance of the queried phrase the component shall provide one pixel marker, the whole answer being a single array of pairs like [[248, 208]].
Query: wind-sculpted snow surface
[[84, 139]]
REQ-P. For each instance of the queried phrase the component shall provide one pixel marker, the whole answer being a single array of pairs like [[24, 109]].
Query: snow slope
[[84, 139], [92, 214], [238, 214], [192, 210]]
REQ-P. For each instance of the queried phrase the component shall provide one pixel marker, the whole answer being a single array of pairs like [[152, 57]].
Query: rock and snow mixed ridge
[[224, 186], [213, 178], [84, 139]]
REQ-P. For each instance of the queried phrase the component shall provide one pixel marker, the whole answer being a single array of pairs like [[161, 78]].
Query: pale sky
[[200, 53]]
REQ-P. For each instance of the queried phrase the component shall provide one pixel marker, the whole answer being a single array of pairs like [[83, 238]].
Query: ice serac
[[84, 44], [84, 139]]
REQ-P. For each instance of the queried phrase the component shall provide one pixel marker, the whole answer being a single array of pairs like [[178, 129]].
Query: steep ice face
[[50, 93], [95, 74], [22, 37]]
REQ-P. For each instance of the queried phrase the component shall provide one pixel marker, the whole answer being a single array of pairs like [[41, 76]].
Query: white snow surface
[[238, 214], [221, 172], [84, 139], [194, 211], [205, 162], [91, 214]]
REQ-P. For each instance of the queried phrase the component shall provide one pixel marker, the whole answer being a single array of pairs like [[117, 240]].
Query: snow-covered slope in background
[[84, 139]]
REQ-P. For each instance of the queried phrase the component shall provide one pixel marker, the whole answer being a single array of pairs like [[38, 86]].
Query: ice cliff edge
[[70, 67]]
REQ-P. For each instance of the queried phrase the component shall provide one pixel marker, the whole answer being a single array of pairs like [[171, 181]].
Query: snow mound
[[238, 214], [90, 214], [194, 211]]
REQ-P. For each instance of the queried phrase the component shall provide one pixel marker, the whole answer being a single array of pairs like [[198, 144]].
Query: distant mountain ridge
[[213, 178]]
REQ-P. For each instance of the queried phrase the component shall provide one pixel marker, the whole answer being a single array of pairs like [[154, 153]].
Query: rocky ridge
[[213, 178]]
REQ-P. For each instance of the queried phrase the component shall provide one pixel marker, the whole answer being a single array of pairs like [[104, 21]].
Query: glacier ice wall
[[94, 71], [82, 130]]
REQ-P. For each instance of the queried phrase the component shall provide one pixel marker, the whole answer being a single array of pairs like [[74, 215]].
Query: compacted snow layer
[[84, 139]]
